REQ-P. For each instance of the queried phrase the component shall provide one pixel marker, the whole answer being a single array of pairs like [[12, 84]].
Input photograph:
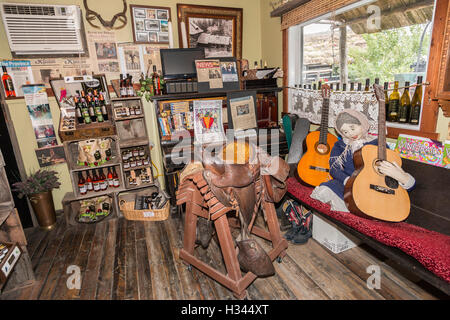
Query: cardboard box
[[331, 236]]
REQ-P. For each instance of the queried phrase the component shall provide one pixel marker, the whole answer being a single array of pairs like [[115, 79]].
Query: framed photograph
[[148, 22], [217, 29], [152, 25], [242, 110], [50, 156]]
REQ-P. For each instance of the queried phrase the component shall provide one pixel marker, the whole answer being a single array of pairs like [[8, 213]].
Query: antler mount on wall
[[120, 17]]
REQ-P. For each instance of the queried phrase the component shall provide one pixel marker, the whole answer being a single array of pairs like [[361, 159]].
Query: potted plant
[[38, 188]]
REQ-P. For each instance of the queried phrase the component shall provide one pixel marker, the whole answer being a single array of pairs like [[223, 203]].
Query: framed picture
[[217, 29], [148, 22], [50, 156], [242, 110]]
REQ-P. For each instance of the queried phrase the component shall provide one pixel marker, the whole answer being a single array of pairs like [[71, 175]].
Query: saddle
[[242, 176]]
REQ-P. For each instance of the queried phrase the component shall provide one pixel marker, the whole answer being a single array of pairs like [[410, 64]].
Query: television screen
[[180, 63]]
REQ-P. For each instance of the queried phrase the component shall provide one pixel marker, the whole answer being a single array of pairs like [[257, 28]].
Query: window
[[388, 40]]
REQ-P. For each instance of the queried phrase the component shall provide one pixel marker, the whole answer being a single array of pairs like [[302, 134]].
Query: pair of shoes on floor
[[299, 234]]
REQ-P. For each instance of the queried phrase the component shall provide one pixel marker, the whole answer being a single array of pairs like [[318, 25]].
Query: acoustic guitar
[[368, 193], [314, 166]]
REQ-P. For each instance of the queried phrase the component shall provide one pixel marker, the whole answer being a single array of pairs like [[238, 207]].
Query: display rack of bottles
[[133, 143], [97, 181], [101, 157]]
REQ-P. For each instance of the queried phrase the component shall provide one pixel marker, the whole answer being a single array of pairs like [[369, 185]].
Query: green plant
[[37, 182]]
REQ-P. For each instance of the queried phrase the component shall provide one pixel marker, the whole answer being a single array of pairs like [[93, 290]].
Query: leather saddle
[[233, 177]]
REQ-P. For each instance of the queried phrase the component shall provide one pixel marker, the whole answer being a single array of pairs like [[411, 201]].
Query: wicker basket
[[127, 208]]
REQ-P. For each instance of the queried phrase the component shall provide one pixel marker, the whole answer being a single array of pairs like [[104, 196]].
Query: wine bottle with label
[[405, 105], [394, 103], [386, 99], [416, 103], [8, 83], [367, 87]]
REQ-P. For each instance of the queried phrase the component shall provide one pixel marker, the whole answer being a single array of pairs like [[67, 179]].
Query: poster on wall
[[46, 68], [131, 59], [41, 117], [103, 50], [20, 72], [50, 156], [150, 24], [208, 125]]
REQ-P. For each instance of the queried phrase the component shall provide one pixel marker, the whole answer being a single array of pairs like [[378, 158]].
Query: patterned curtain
[[308, 104]]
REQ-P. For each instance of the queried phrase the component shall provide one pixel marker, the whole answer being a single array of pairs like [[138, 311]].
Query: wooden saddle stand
[[201, 201]]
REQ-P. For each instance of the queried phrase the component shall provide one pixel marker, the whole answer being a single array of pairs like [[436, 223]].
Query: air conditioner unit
[[39, 29]]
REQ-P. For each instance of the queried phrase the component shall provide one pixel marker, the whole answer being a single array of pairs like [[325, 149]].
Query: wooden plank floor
[[128, 260]]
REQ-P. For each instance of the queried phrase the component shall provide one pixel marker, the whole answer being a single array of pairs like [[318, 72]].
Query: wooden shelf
[[137, 168], [130, 118], [110, 163], [93, 194], [133, 142]]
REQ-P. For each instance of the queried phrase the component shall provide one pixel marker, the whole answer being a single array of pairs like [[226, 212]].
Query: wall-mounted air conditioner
[[39, 29]]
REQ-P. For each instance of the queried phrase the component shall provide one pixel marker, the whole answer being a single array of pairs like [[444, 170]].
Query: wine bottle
[[386, 99], [314, 86], [405, 105], [110, 178], [319, 87], [352, 86], [91, 109], [82, 189], [156, 81], [130, 89], [367, 87], [78, 113], [115, 178], [97, 108], [103, 107], [123, 88], [344, 87], [359, 86], [95, 181], [337, 86], [416, 103], [85, 109], [89, 185], [8, 84], [394, 103], [103, 182]]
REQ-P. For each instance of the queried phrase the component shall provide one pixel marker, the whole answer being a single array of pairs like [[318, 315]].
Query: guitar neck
[[324, 121], [382, 130]]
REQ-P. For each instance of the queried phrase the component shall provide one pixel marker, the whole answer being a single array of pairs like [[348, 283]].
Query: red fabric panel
[[431, 249]]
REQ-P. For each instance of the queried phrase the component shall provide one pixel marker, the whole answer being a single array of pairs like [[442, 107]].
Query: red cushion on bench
[[430, 248]]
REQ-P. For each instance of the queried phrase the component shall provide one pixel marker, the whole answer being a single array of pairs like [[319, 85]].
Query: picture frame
[[242, 111], [226, 39], [148, 22]]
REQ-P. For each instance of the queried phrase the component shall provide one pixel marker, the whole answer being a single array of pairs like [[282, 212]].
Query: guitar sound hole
[[391, 182], [322, 148]]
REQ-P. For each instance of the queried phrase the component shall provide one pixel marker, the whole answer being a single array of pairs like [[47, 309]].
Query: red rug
[[431, 249]]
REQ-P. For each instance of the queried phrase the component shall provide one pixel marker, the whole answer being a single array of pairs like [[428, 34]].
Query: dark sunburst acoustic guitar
[[314, 166], [369, 193]]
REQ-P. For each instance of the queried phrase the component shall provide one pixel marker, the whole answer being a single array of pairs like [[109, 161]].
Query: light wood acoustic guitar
[[368, 193], [314, 166]]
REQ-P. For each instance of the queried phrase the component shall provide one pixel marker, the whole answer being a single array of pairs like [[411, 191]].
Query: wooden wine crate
[[87, 131], [72, 152], [118, 104], [71, 207], [74, 178]]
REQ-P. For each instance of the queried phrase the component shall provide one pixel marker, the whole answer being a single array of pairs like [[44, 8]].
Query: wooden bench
[[430, 203]]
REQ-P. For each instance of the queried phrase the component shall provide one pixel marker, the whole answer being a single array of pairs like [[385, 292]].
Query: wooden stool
[[201, 202]]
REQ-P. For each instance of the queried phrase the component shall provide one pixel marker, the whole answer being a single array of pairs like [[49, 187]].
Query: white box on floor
[[331, 236]]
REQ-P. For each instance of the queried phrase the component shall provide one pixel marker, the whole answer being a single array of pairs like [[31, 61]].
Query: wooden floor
[[122, 259]]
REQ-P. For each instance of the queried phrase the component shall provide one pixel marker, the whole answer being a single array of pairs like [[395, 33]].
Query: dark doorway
[[12, 169]]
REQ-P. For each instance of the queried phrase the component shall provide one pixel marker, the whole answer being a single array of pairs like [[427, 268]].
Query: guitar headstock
[[326, 91], [379, 92]]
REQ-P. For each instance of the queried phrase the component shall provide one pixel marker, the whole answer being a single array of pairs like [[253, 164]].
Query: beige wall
[[251, 50]]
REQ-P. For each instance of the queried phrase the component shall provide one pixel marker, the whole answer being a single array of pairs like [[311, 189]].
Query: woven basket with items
[[149, 205]]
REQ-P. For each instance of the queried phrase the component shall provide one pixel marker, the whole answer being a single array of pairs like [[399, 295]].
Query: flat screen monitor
[[180, 63]]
